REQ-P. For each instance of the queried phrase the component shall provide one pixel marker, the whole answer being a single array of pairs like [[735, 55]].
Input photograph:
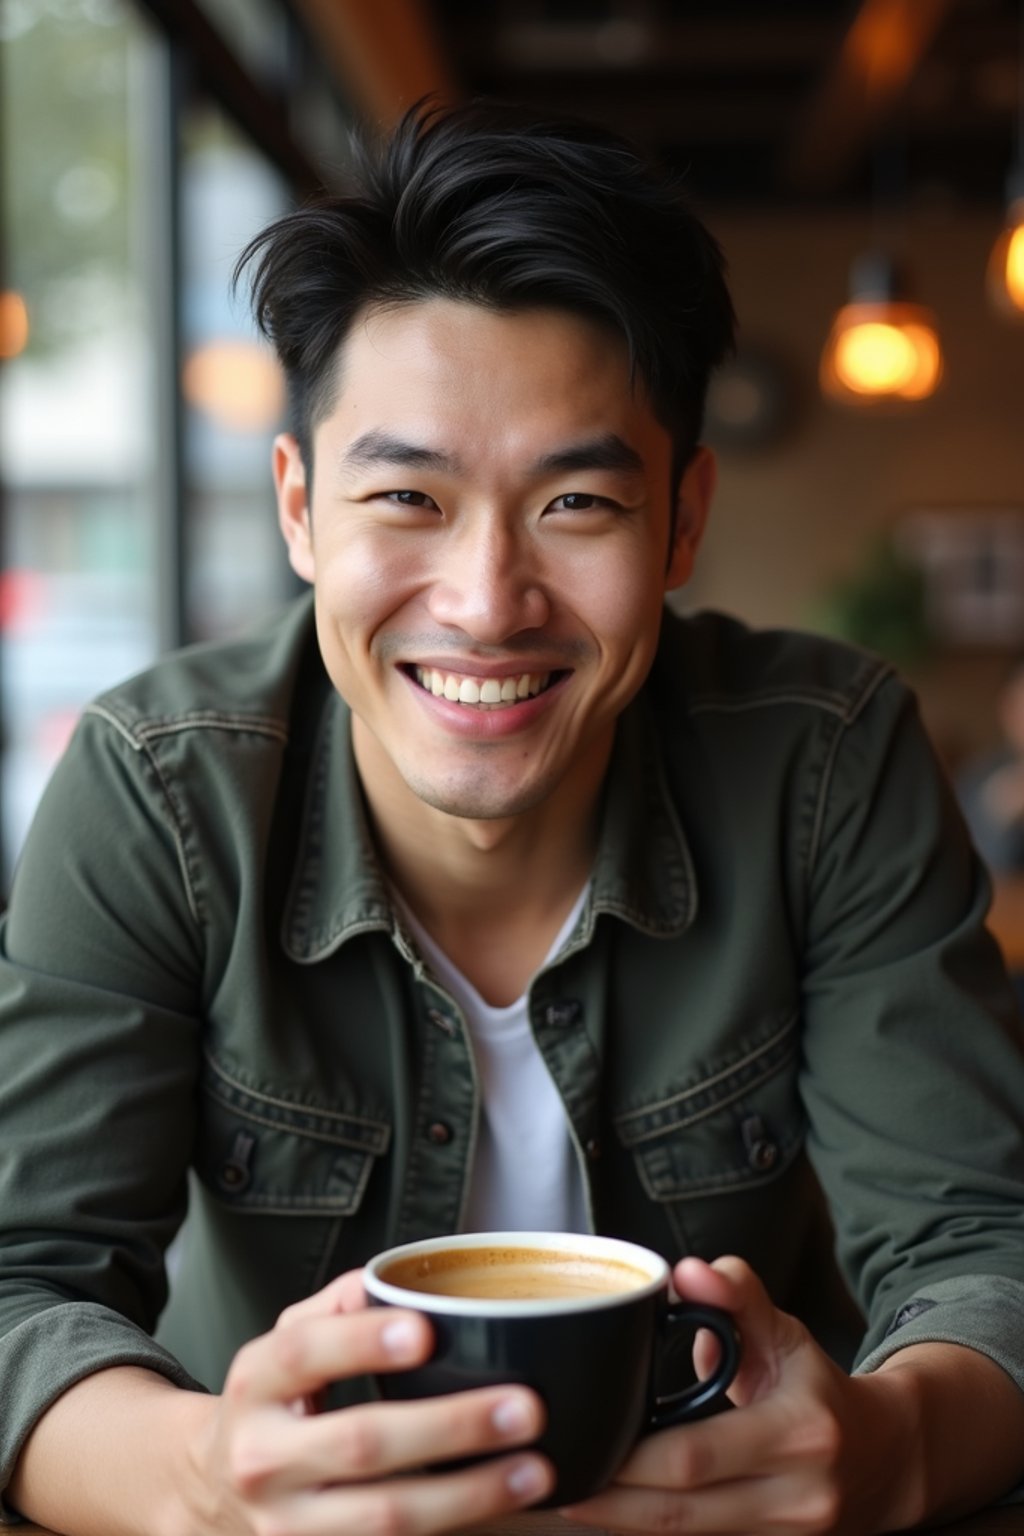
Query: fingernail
[[527, 1479], [512, 1417], [401, 1338]]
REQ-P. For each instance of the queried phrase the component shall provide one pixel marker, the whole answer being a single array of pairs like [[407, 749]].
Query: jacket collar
[[643, 873]]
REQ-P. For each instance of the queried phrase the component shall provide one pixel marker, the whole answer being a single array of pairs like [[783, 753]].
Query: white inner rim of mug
[[583, 1245]]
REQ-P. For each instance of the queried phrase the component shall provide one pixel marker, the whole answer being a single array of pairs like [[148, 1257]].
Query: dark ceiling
[[767, 101]]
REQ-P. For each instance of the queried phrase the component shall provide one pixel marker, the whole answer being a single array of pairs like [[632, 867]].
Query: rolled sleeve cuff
[[982, 1312], [48, 1353]]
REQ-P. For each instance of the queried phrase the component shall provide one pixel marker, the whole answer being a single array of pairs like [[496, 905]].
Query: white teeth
[[486, 691]]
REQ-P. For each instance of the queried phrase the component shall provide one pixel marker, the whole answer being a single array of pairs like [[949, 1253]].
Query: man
[[506, 899]]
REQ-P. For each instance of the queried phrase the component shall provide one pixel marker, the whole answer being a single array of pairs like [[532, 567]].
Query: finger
[[767, 1336], [421, 1506], [293, 1361], [763, 1438], [786, 1508], [344, 1294], [274, 1456]]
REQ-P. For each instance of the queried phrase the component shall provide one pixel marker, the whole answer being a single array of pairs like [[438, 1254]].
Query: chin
[[477, 802]]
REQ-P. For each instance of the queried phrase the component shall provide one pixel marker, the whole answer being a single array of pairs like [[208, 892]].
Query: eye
[[581, 501], [410, 499]]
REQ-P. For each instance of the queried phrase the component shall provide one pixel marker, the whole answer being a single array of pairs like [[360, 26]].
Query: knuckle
[[289, 1349], [667, 1515], [819, 1437], [247, 1466], [241, 1375], [690, 1461], [819, 1508], [358, 1446], [269, 1521], [387, 1516]]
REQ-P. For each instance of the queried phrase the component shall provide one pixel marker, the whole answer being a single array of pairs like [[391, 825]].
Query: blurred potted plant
[[879, 604]]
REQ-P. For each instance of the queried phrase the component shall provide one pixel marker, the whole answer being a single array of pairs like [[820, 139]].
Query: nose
[[488, 583]]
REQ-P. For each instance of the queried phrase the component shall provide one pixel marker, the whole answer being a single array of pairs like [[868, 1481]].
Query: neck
[[492, 894]]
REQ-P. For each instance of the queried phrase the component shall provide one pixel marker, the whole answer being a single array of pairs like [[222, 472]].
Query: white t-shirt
[[525, 1175]]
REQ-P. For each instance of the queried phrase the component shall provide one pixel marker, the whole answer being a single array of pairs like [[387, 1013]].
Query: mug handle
[[689, 1403]]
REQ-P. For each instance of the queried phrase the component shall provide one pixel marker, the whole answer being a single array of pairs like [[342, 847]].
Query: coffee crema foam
[[514, 1274]]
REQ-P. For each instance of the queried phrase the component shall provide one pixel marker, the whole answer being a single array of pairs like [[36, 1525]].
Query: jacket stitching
[[834, 703], [148, 730], [296, 1108], [828, 771], [177, 829], [698, 1115], [729, 1182], [717, 1077], [242, 725], [349, 1143]]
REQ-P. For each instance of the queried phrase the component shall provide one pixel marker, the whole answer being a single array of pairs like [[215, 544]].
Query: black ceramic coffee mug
[[581, 1319]]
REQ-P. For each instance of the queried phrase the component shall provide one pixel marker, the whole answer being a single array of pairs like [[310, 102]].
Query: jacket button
[[236, 1171], [441, 1021], [233, 1178], [762, 1151], [593, 1149], [439, 1133], [560, 1015], [762, 1155]]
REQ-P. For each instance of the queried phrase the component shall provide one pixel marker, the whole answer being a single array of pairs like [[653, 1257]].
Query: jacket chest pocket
[[715, 1153], [269, 1155]]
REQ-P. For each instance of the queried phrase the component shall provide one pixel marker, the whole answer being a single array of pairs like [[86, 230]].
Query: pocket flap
[[737, 1123], [267, 1153]]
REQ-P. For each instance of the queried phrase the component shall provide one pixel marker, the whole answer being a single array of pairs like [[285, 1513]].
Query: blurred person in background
[[480, 890]]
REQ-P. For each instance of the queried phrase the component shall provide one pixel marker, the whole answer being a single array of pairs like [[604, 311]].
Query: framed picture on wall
[[972, 561]]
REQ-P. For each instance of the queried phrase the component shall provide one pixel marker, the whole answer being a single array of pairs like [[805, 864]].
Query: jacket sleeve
[[913, 1072], [100, 959]]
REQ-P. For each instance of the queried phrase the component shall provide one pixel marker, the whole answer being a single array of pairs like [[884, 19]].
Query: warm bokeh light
[[235, 382], [14, 327], [882, 351], [1006, 266]]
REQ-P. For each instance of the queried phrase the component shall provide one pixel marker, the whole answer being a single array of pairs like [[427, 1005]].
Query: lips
[[482, 692]]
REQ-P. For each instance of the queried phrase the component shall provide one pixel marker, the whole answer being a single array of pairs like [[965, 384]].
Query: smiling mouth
[[483, 692]]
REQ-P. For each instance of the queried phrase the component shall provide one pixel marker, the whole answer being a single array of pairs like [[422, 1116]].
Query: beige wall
[[790, 517]]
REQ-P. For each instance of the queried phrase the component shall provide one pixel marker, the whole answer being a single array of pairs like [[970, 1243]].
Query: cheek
[[364, 581], [622, 606]]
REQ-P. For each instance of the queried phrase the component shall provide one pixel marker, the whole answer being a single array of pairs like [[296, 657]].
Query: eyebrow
[[605, 452], [378, 447]]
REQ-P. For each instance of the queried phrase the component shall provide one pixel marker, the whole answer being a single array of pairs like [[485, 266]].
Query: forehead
[[521, 377]]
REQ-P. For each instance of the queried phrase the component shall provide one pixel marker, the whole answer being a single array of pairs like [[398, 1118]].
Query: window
[[236, 567], [77, 595]]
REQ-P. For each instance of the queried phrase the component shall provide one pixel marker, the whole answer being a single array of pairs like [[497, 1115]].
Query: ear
[[693, 503], [293, 505]]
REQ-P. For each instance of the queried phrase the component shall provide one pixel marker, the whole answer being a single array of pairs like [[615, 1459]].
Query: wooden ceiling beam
[[383, 53], [880, 52]]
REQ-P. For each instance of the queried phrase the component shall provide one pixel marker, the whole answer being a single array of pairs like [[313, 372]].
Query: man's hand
[[266, 1464], [810, 1449]]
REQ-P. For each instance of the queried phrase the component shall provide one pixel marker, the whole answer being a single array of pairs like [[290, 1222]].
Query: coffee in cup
[[581, 1319], [513, 1273]]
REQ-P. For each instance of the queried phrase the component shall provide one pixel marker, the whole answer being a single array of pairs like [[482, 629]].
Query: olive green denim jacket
[[780, 985]]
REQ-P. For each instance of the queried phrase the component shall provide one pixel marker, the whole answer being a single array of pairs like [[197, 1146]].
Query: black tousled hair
[[485, 204]]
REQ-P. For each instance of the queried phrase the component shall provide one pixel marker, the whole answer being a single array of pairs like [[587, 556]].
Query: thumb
[[768, 1337]]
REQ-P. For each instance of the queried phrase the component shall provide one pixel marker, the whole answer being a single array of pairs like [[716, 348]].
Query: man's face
[[488, 537]]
